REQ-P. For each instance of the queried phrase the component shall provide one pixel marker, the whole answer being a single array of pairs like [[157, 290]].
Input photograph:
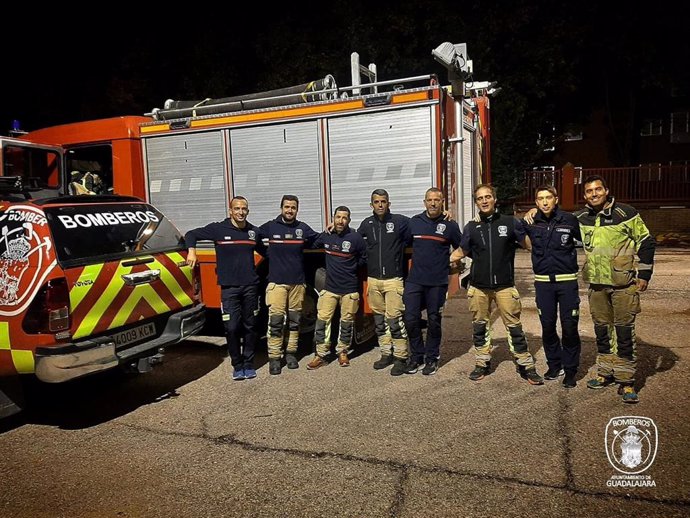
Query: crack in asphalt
[[398, 503], [406, 468], [564, 429]]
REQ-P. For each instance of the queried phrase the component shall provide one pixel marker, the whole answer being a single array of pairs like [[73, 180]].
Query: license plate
[[136, 334]]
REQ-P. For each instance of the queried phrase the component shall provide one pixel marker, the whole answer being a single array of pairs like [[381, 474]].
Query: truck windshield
[[112, 231]]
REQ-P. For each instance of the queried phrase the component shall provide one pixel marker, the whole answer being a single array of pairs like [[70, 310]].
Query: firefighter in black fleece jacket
[[386, 236], [490, 241]]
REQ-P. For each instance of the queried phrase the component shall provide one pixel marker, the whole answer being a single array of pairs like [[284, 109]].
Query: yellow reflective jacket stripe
[[558, 278]]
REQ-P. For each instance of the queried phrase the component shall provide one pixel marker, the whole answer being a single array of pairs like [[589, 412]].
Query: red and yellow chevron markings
[[100, 299], [22, 360]]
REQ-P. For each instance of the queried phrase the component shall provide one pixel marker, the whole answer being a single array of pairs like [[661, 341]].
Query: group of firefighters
[[612, 235]]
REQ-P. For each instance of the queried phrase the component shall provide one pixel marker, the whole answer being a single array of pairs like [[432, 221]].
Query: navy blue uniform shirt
[[431, 242], [234, 250], [286, 244], [553, 242], [345, 253]]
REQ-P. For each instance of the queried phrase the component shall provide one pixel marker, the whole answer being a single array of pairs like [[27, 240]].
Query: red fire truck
[[328, 145]]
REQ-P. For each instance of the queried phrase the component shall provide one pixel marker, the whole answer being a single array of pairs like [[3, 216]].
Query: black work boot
[[291, 361], [399, 366], [530, 374], [383, 362], [569, 380], [479, 372], [274, 366]]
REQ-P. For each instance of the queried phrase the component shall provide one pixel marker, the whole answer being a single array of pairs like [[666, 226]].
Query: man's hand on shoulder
[[529, 216]]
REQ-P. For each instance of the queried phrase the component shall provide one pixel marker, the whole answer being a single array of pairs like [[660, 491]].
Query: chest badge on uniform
[[564, 238], [502, 231], [346, 246], [299, 233], [440, 228], [251, 234], [390, 227]]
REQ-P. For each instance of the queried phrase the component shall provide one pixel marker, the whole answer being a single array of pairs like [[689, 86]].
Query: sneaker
[[238, 374], [430, 368], [274, 366], [628, 393], [343, 360], [479, 372], [569, 380], [399, 366], [600, 382], [553, 374], [291, 361], [412, 366], [249, 372], [316, 363], [383, 362], [532, 377]]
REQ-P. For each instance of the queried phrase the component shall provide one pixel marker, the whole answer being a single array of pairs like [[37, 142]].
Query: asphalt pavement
[[187, 441]]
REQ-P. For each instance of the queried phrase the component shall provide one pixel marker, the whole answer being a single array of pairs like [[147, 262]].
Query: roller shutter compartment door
[[187, 178], [269, 161], [391, 150]]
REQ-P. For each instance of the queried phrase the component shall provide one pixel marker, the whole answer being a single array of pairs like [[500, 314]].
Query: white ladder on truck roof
[[357, 70]]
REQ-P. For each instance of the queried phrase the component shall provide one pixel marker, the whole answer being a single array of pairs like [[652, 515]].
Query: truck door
[[39, 168]]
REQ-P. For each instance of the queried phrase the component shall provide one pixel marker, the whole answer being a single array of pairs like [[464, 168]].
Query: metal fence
[[649, 185]]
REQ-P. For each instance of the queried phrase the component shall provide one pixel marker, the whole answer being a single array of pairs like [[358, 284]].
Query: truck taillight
[[49, 311]]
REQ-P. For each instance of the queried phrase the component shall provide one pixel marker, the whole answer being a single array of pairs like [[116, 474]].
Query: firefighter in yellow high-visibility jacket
[[613, 233]]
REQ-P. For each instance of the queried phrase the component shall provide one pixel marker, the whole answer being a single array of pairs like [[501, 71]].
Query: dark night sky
[[58, 70]]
